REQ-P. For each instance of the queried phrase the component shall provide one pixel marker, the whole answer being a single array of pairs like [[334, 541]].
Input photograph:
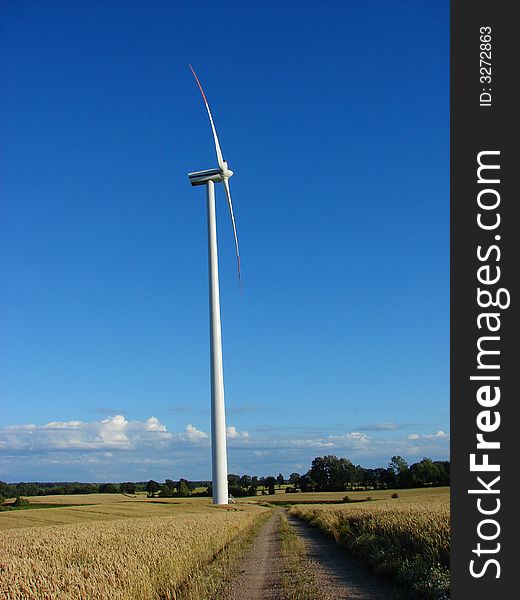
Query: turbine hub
[[227, 173]]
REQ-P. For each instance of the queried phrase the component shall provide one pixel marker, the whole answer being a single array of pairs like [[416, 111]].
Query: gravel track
[[260, 569], [337, 576]]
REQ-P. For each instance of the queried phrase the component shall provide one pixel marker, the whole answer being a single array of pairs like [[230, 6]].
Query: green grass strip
[[298, 582]]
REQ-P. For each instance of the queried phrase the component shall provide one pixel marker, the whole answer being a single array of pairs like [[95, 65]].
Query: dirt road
[[336, 576], [339, 576], [259, 576]]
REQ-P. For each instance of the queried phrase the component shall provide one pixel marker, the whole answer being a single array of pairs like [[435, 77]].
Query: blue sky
[[335, 121]]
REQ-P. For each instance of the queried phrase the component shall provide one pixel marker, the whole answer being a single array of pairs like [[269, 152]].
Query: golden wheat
[[144, 558], [408, 540], [117, 507]]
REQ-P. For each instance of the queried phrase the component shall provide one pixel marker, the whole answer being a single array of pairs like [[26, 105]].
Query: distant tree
[[31, 489], [108, 488], [369, 478], [261, 482], [425, 472], [237, 492], [188, 483], [168, 489], [294, 479], [307, 483], [253, 487], [443, 467], [401, 471], [245, 481], [280, 480], [152, 487], [25, 489], [85, 488], [405, 479], [270, 483], [4, 490], [331, 473], [388, 478], [358, 476], [233, 479], [397, 464], [320, 471], [127, 488], [183, 491], [378, 473]]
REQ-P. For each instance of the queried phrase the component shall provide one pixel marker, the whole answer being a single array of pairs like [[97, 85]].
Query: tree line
[[327, 474], [13, 490]]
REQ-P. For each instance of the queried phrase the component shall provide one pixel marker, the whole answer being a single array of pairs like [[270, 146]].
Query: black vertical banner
[[485, 267]]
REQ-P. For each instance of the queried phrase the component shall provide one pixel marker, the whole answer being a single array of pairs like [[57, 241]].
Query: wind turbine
[[218, 416]]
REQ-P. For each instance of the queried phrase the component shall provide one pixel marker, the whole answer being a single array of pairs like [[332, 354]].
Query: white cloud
[[113, 432], [353, 440], [153, 424], [439, 435], [306, 443], [356, 436], [233, 433], [61, 425], [195, 435]]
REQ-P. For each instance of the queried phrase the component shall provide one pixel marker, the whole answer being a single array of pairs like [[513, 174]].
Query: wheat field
[[96, 507], [123, 559], [405, 538]]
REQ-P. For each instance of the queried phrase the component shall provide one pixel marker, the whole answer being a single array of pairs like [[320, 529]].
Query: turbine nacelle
[[215, 175]]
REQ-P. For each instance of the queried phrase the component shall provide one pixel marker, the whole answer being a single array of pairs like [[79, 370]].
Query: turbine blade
[[230, 204], [215, 137]]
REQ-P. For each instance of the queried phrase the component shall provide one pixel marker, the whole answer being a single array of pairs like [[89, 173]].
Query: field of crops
[[405, 538], [102, 546], [129, 558], [96, 507]]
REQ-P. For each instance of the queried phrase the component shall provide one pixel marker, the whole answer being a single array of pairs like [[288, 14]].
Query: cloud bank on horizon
[[118, 449]]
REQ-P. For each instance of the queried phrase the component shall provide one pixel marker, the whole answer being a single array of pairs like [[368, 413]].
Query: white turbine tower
[[218, 416]]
